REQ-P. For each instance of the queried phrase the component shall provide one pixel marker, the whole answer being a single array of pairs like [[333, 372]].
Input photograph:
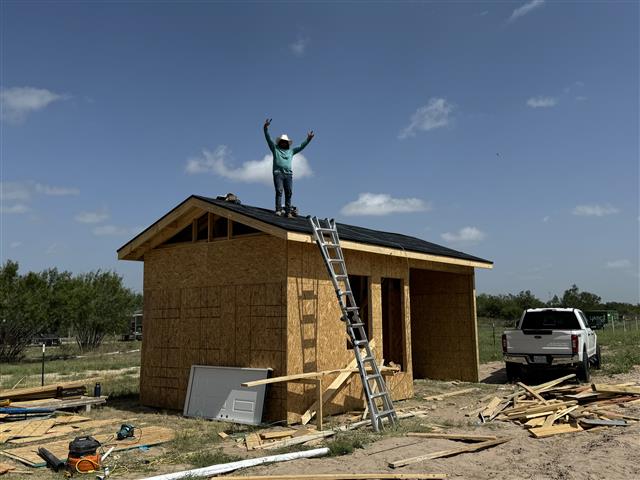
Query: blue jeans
[[283, 181]]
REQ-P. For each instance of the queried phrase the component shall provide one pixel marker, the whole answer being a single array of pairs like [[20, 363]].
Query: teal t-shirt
[[282, 157]]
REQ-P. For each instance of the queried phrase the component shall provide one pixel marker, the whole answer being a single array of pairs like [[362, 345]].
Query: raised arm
[[272, 145], [306, 141]]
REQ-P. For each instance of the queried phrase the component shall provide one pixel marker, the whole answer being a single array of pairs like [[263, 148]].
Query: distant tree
[[525, 299], [24, 309], [100, 305], [574, 298]]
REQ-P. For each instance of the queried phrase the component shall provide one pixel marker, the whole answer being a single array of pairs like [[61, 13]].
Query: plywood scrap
[[252, 441], [449, 453], [63, 430], [223, 435], [28, 454], [8, 468], [442, 396]]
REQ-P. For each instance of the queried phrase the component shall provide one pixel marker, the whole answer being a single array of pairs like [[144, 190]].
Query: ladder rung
[[368, 359], [375, 375], [325, 229], [356, 324], [336, 260], [360, 342], [385, 413], [332, 245], [379, 394]]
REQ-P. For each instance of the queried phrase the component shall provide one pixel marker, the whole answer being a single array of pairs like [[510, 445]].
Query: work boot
[[279, 213], [290, 215]]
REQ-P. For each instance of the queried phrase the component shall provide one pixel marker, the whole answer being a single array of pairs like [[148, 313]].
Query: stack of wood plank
[[25, 403], [553, 408]]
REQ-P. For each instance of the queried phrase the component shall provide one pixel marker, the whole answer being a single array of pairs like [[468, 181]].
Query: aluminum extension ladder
[[326, 236]]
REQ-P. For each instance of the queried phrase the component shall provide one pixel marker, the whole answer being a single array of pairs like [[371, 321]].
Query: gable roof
[[262, 217]]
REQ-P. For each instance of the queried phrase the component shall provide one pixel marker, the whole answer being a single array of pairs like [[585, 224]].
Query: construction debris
[[442, 396], [451, 452], [55, 390], [551, 409], [8, 468]]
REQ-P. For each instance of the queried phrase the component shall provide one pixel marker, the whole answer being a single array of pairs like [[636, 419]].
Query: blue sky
[[508, 130]]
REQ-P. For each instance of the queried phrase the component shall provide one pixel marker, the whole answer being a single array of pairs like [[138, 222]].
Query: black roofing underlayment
[[346, 232]]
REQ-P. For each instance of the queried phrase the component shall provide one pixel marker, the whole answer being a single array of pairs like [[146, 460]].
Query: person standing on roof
[[282, 171]]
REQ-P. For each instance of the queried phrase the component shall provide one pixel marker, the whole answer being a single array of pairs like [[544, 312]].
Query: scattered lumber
[[464, 437], [61, 403], [602, 388], [278, 433], [552, 408], [449, 453], [28, 454], [8, 468], [442, 396]]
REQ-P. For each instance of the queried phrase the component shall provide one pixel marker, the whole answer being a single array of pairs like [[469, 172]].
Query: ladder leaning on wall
[[378, 398]]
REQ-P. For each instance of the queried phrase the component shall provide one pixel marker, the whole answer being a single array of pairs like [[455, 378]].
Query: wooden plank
[[309, 375], [490, 408], [252, 441], [333, 388], [548, 385], [532, 392], [150, 436], [57, 403], [601, 387], [48, 391], [450, 394], [542, 432], [448, 453], [297, 440], [223, 435], [278, 434], [345, 476], [454, 436]]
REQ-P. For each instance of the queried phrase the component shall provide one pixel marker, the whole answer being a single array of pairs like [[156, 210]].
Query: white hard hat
[[285, 138]]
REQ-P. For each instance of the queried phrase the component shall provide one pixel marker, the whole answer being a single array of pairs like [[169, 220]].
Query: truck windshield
[[550, 320]]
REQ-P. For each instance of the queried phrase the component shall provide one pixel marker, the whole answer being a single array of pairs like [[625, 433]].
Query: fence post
[[493, 328]]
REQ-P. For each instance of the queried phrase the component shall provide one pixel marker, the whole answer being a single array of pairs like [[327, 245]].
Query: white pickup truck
[[551, 337]]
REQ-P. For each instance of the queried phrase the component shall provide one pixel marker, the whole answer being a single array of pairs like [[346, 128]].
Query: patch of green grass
[[205, 458], [620, 350], [345, 443]]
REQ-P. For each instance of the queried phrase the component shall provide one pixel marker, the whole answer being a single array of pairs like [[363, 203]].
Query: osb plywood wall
[[317, 337], [443, 325], [220, 303]]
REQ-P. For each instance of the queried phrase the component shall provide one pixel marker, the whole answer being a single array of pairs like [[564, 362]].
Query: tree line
[[510, 306], [89, 305]]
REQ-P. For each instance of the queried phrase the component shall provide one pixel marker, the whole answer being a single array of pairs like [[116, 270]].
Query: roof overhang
[[184, 214]]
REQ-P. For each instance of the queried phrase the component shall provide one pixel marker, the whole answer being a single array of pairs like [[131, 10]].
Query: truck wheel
[[583, 373], [513, 371], [597, 358]]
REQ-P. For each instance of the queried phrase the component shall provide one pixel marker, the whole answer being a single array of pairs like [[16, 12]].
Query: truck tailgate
[[541, 342]]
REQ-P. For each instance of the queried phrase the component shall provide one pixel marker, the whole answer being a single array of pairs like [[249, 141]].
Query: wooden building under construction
[[233, 285]]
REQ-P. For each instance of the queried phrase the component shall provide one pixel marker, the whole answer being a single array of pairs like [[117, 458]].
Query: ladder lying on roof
[[326, 236]]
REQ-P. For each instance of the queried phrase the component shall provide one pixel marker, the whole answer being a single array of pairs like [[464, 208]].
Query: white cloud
[[114, 230], [435, 114], [622, 263], [483, 13], [542, 102], [525, 9], [16, 208], [15, 244], [92, 217], [18, 102], [14, 191], [252, 171], [299, 47], [383, 204], [546, 219], [594, 210], [56, 191], [464, 235]]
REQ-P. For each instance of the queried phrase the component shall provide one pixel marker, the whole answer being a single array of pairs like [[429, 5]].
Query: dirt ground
[[612, 453]]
